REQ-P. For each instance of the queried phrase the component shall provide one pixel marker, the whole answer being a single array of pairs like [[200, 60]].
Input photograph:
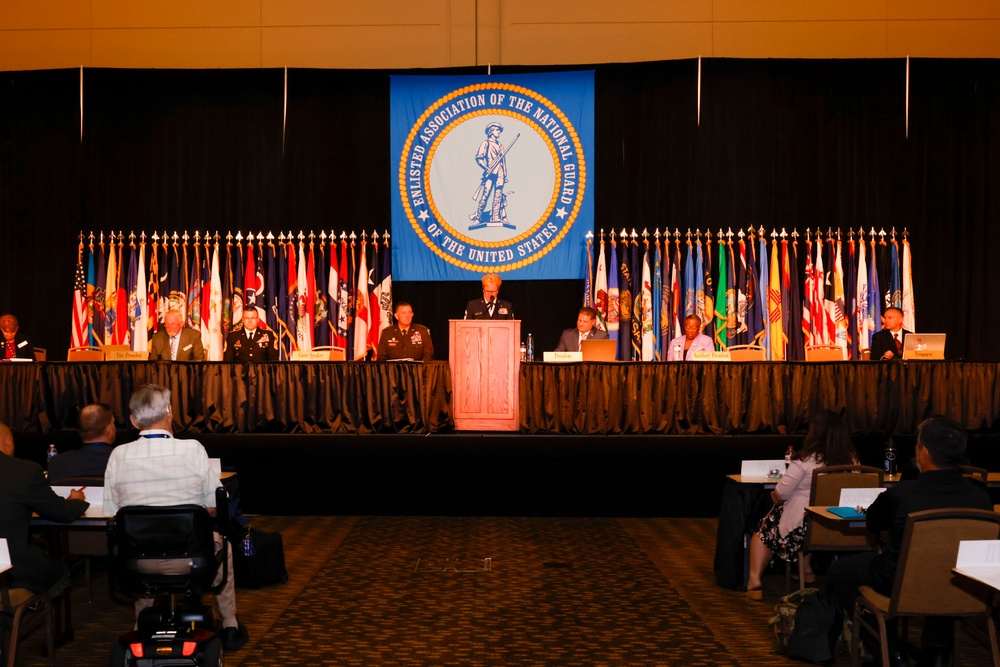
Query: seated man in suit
[[887, 344], [23, 490], [489, 307], [250, 343], [98, 432], [405, 340], [572, 338], [176, 342], [14, 346]]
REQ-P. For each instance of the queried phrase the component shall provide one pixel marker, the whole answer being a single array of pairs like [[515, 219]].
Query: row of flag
[[780, 291], [310, 290]]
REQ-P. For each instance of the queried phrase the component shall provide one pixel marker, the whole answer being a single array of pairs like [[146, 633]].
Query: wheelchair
[[143, 543]]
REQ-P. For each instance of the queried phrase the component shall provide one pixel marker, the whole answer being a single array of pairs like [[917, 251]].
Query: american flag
[[81, 328]]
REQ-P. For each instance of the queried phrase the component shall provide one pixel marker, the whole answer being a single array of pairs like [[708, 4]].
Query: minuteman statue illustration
[[492, 158]]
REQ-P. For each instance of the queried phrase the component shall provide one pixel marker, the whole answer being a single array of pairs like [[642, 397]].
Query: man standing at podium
[[490, 307], [405, 340], [572, 339]]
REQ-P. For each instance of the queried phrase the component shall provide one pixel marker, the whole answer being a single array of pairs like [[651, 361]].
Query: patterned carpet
[[419, 591]]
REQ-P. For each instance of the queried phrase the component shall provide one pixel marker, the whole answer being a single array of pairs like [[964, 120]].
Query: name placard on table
[[714, 355], [561, 357], [762, 469], [126, 355]]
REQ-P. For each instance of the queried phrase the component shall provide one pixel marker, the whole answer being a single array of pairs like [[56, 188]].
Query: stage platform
[[595, 439]]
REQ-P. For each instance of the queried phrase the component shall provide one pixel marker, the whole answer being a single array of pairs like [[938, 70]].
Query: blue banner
[[494, 175]]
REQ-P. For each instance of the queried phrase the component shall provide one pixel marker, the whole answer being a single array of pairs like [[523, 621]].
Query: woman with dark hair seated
[[783, 531]]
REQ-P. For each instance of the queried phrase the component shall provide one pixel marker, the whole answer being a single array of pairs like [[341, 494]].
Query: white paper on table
[[93, 494], [978, 553], [762, 468], [859, 497], [5, 563]]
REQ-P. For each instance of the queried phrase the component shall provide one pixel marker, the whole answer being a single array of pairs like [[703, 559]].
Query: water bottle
[[890, 458], [51, 454], [530, 352], [677, 353], [789, 455], [524, 352], [247, 545]]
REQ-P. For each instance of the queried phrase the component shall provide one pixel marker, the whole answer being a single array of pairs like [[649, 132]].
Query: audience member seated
[[98, 431], [14, 346], [23, 490], [160, 470], [693, 340], [585, 330], [783, 530], [940, 448]]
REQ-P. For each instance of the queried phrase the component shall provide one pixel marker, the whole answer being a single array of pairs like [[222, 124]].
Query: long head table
[[756, 397], [238, 398], [575, 398]]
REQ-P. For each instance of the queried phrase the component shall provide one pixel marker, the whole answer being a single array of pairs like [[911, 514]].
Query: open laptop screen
[[599, 350], [923, 346]]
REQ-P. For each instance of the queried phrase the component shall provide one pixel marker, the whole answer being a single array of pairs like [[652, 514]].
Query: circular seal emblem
[[492, 176]]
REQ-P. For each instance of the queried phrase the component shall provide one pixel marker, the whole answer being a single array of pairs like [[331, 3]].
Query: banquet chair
[[21, 613], [824, 353], [86, 353], [747, 353], [827, 483], [925, 584]]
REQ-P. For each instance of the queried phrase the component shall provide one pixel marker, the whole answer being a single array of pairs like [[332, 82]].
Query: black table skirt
[[238, 398], [593, 398], [742, 398]]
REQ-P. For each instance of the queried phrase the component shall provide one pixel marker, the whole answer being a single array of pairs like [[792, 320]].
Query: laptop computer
[[599, 350], [923, 346]]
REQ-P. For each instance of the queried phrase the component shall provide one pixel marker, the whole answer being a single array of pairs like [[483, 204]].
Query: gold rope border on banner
[[407, 145]]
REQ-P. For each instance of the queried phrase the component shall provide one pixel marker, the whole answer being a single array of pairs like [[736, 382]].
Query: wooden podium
[[485, 359]]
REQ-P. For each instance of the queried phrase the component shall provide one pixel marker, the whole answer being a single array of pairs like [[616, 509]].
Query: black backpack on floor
[[818, 622], [259, 559]]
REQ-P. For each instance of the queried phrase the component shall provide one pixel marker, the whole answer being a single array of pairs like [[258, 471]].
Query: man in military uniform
[[405, 340], [251, 343]]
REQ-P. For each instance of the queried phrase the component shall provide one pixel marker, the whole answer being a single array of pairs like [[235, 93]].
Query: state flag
[[81, 329], [361, 322], [601, 291]]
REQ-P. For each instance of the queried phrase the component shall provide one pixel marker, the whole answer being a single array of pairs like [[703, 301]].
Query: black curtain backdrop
[[781, 143]]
